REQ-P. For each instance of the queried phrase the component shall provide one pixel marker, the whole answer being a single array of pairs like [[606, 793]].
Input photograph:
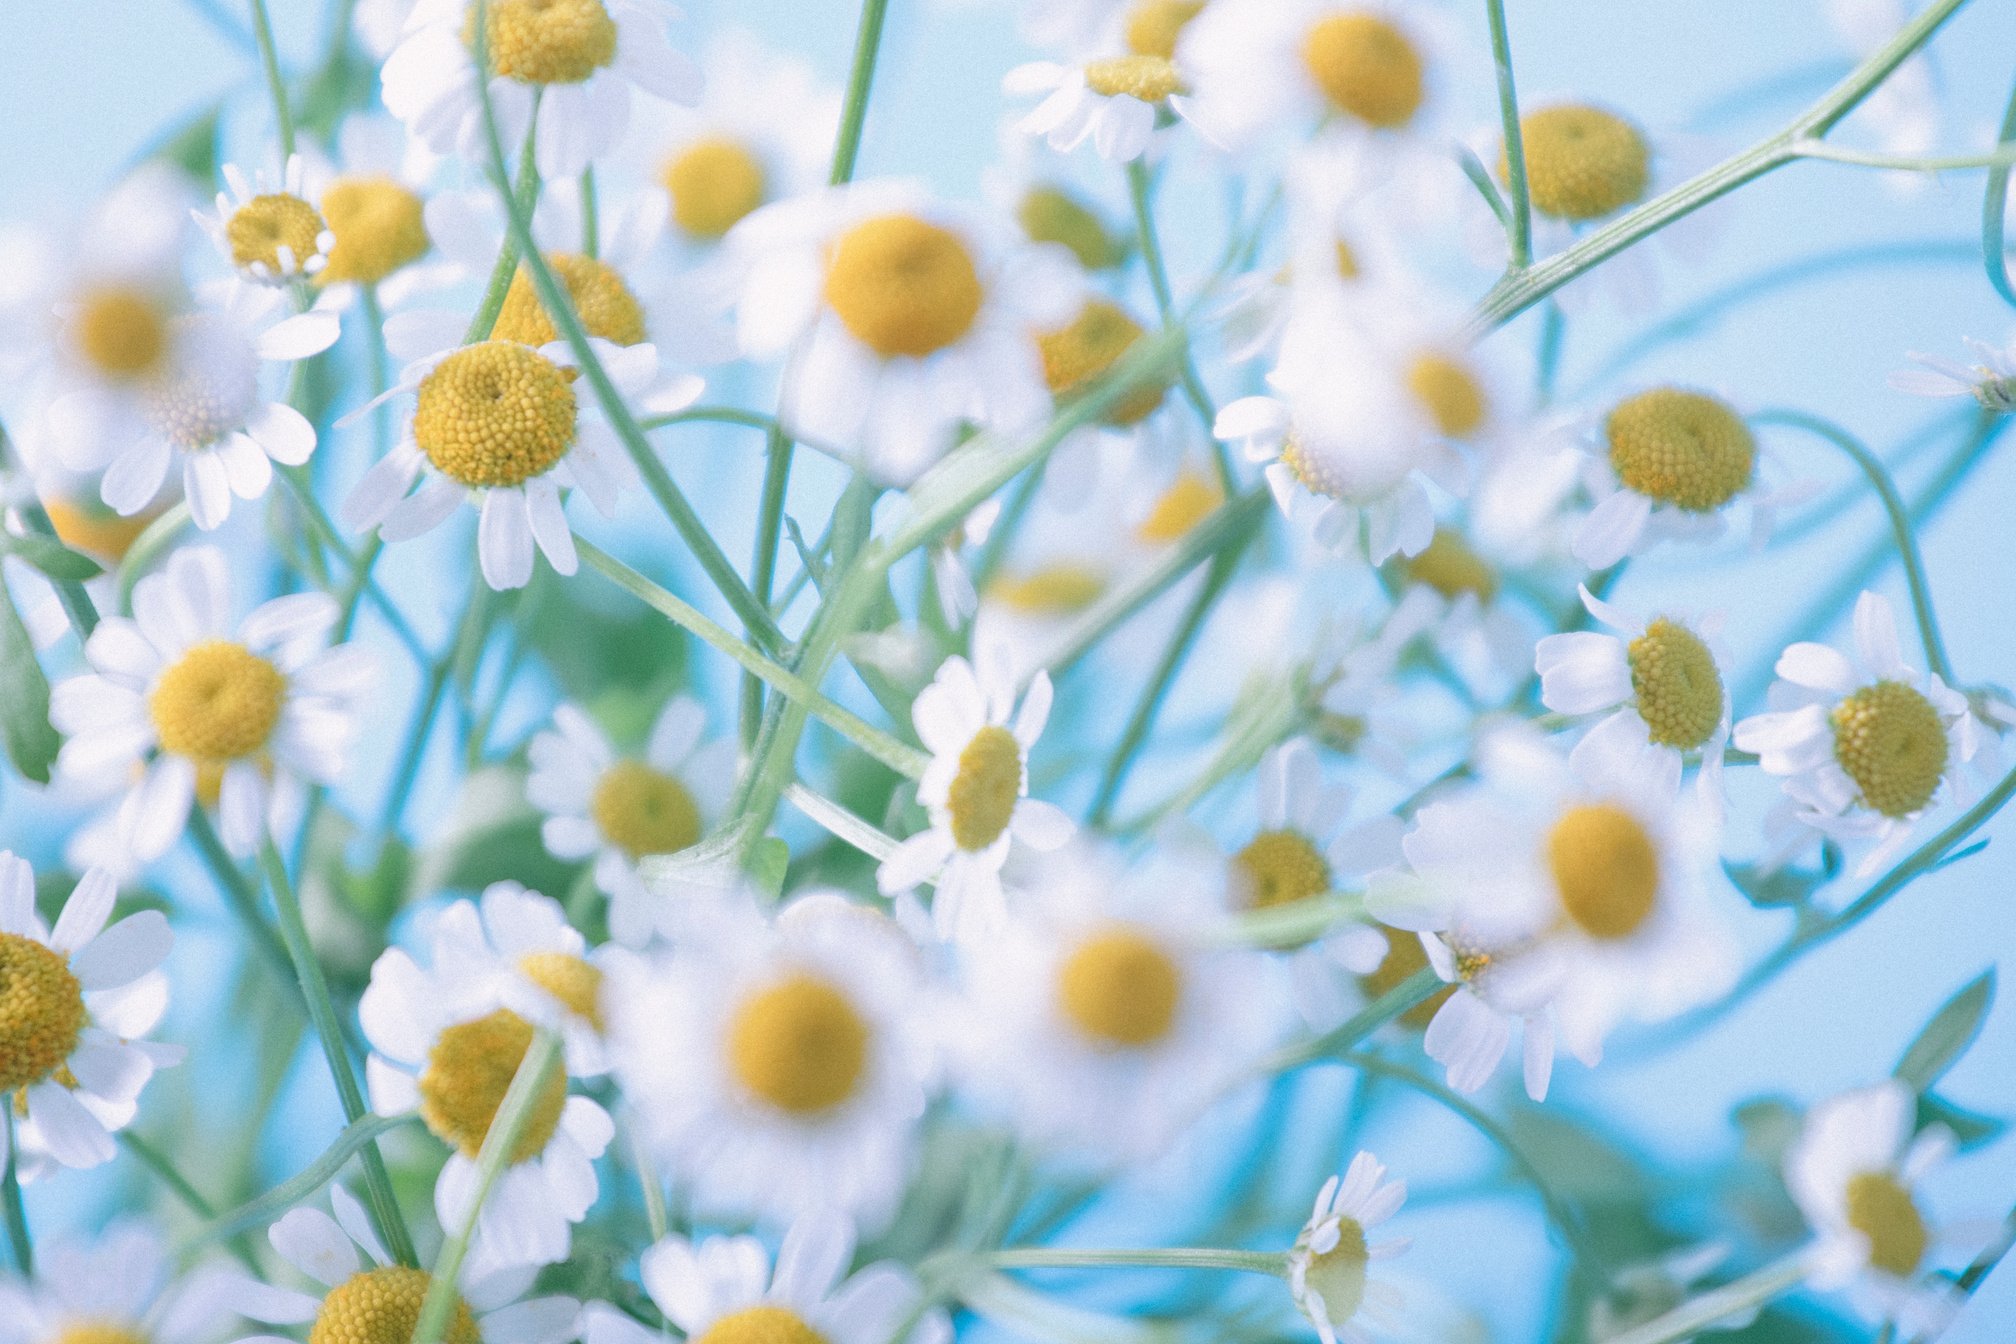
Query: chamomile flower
[[444, 1043], [907, 319], [780, 1065], [1114, 101], [1668, 463], [1481, 636], [1658, 683], [501, 425], [202, 405], [118, 1288], [1864, 743], [619, 809], [373, 199], [1992, 382], [368, 1299], [546, 973], [727, 1290], [187, 710], [567, 69], [1330, 1269], [1107, 1013], [1854, 1172], [79, 997], [976, 790], [268, 233]]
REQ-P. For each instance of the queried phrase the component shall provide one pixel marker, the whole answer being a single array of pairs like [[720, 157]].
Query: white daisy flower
[[203, 405], [379, 24], [1992, 382], [373, 197], [79, 998], [268, 234], [976, 790], [726, 1289], [1330, 1268], [1564, 897], [1484, 640], [905, 318], [1108, 1011], [1855, 1171], [118, 1288], [1113, 101], [573, 65], [367, 1297], [617, 809], [1658, 682], [503, 426], [1864, 743], [186, 710], [547, 974], [780, 1066]]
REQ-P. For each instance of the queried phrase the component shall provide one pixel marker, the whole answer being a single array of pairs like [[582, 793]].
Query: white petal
[[313, 1243], [124, 952]]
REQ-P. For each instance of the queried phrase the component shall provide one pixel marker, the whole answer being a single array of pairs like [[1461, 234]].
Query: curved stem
[[1273, 1263], [2001, 157], [1994, 206], [276, 85], [1410, 993], [726, 415], [1745, 1295], [1141, 190], [1515, 140]]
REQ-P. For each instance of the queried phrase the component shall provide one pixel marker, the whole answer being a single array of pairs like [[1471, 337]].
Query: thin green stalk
[[1410, 993], [591, 224], [1274, 1263], [838, 822], [777, 452], [526, 194], [1515, 140], [725, 415], [164, 1171], [241, 895], [2000, 158], [386, 1219], [1739, 1299], [77, 603], [18, 1235], [324, 528], [276, 85], [1141, 190], [414, 749], [1994, 206], [860, 82]]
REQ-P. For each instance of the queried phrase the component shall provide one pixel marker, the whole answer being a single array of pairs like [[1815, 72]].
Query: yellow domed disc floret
[[1681, 448], [765, 1324], [85, 525], [800, 1045], [714, 182], [121, 332], [382, 1306], [574, 982], [1119, 987], [1338, 1274], [263, 225], [1676, 684], [1881, 1209], [981, 801], [1153, 26], [1404, 957], [1449, 393], [469, 1070], [1366, 67], [903, 287], [1450, 567], [546, 41], [218, 702], [1892, 743], [1052, 590], [495, 414], [1190, 499], [379, 228], [642, 810], [41, 1012], [605, 305], [1052, 215], [1281, 867], [1076, 355], [1582, 163], [1148, 78], [1606, 869]]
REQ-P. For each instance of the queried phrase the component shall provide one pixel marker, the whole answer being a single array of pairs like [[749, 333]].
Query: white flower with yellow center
[[780, 1066], [575, 65], [976, 790], [445, 1043], [78, 998], [1108, 1012], [546, 973], [905, 320], [1855, 1172], [1992, 382], [620, 809], [268, 233], [202, 406], [1565, 898], [368, 1299], [118, 1288], [1114, 101], [186, 709], [1485, 641], [1330, 1269], [374, 198], [1864, 743]]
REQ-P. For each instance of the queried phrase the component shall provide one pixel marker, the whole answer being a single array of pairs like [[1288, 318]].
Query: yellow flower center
[[903, 286], [1154, 25], [1681, 448], [1582, 163], [1676, 683], [1120, 988], [1404, 957], [121, 332], [576, 984], [761, 1325], [1892, 743], [85, 525], [1317, 476], [1881, 1209], [1148, 78], [469, 1070], [1076, 355], [642, 810], [1347, 261], [1052, 215], [382, 1306], [1190, 499], [1366, 67], [1606, 869], [1339, 1273], [495, 414], [801, 1045], [713, 183], [601, 300], [1449, 392], [982, 798], [1450, 567], [1281, 867], [263, 225], [218, 702], [547, 41], [1052, 590], [41, 1012], [379, 228], [98, 1332]]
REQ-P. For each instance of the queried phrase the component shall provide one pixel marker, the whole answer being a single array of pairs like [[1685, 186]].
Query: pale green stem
[[591, 224], [1520, 223], [526, 193], [1718, 1305], [18, 1235], [276, 86], [860, 82], [724, 415], [180, 1186], [1904, 163], [1296, 923], [1274, 1263], [324, 528], [1994, 206], [839, 822], [1141, 190], [647, 1183], [1415, 990]]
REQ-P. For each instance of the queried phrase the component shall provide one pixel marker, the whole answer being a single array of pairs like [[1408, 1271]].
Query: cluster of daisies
[[560, 229]]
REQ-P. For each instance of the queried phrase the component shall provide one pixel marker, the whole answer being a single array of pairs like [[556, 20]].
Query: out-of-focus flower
[[1330, 1269], [1992, 382], [119, 1287]]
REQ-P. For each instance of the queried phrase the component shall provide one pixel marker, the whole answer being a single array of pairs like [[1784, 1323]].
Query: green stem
[[18, 1235], [860, 82], [276, 86], [1410, 993], [324, 528], [778, 449], [414, 750], [164, 1171], [591, 224], [1740, 1298], [1994, 206], [1515, 140], [77, 603], [526, 194], [1273, 1263], [1141, 190], [725, 415], [241, 895], [2000, 158], [838, 822]]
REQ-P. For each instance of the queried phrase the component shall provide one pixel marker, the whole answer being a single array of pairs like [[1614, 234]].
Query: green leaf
[[1480, 178], [1775, 888], [768, 863], [317, 1174], [1947, 1036], [1970, 1128], [24, 698], [1966, 853], [53, 558]]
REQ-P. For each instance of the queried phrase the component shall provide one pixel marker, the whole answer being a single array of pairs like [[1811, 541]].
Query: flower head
[[1330, 1269]]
